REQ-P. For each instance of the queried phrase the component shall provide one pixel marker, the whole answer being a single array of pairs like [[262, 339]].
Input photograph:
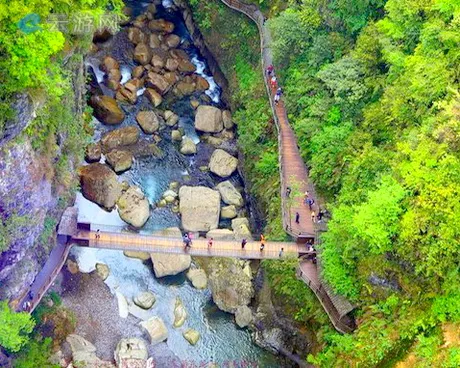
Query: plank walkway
[[199, 247], [294, 174]]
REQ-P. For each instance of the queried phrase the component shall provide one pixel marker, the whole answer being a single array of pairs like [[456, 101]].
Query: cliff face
[[31, 196]]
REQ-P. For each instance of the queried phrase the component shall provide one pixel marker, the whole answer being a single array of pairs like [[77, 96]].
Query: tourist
[[269, 70], [262, 246], [186, 240], [273, 82], [210, 242], [279, 91], [190, 237], [281, 252], [310, 202], [320, 216], [277, 99], [297, 218], [313, 217], [243, 243], [98, 235], [288, 192]]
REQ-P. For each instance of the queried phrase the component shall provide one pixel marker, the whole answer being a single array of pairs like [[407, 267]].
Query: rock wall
[[30, 196]]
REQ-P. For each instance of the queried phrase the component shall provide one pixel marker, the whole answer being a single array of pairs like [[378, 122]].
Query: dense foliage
[[14, 328], [372, 92]]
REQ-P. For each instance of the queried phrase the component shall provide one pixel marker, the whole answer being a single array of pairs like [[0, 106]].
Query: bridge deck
[[219, 248]]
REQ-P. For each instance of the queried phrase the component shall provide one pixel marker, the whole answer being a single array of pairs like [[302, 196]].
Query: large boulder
[[136, 36], [170, 264], [161, 25], [171, 118], [186, 66], [154, 41], [142, 54], [133, 207], [243, 316], [241, 228], [99, 184], [208, 119], [172, 41], [106, 109], [102, 270], [227, 118], [143, 256], [230, 284], [200, 208], [149, 121], [222, 163], [180, 314], [220, 234], [201, 84], [198, 278], [156, 329], [83, 351], [188, 147], [132, 348], [192, 336], [119, 160], [119, 137], [230, 194], [145, 299], [109, 63]]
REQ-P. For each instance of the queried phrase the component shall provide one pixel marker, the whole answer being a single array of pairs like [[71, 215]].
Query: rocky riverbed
[[163, 161]]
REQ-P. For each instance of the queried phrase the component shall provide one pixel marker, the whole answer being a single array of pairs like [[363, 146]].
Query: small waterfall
[[214, 90], [125, 74]]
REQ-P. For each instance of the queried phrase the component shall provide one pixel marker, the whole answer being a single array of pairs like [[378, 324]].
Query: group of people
[[270, 71], [187, 238]]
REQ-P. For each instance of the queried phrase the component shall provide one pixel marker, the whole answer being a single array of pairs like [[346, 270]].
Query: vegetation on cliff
[[372, 92]]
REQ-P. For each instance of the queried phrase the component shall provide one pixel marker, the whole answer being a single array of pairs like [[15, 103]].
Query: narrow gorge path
[[294, 174]]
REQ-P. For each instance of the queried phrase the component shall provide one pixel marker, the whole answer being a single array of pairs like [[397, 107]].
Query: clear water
[[221, 340]]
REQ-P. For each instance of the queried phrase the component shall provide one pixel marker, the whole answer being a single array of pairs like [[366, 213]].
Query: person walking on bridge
[[210, 242], [269, 70], [281, 253], [273, 82], [243, 243], [262, 242], [297, 218]]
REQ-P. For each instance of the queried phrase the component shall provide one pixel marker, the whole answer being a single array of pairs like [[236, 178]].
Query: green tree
[[14, 328]]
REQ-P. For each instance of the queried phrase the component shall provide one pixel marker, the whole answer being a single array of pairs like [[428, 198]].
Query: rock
[[142, 54], [228, 212], [171, 118], [230, 194], [201, 84], [153, 96], [200, 208], [192, 336], [136, 36], [109, 63], [157, 61], [170, 264], [241, 228], [231, 287], [180, 314], [156, 329], [149, 121], [214, 141], [188, 147], [198, 278], [152, 9], [176, 135], [106, 110], [186, 66], [161, 25], [172, 41], [132, 348], [99, 184], [127, 95], [227, 118], [184, 88], [158, 82], [72, 267], [123, 309], [145, 300], [138, 71], [171, 77], [119, 160], [172, 64], [154, 41], [222, 163], [102, 270], [133, 207], [208, 119], [243, 316], [83, 351], [120, 137], [93, 152], [144, 256], [220, 234], [194, 103]]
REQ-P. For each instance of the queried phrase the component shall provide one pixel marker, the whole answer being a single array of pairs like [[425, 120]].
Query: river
[[221, 342]]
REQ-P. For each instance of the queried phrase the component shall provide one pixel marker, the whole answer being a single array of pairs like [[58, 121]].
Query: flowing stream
[[221, 340]]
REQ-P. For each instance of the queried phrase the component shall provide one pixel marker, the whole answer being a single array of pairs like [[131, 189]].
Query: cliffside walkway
[[294, 175]]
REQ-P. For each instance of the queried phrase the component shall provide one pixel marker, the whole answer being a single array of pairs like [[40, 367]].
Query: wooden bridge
[[293, 174]]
